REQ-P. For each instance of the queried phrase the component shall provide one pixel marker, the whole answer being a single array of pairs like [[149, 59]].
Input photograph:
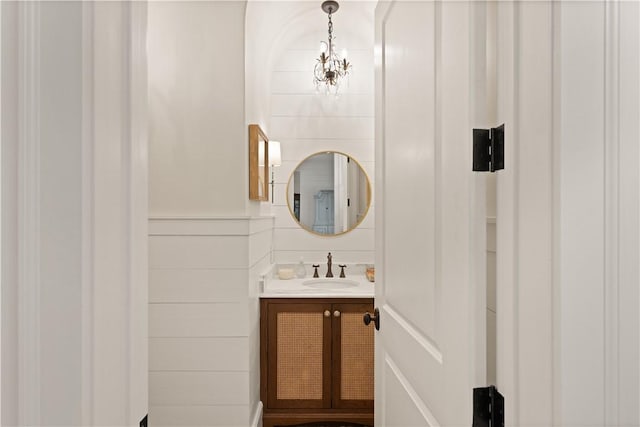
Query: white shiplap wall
[[306, 122], [204, 319]]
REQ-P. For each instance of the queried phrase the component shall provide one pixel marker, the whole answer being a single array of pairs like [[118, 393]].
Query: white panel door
[[429, 288]]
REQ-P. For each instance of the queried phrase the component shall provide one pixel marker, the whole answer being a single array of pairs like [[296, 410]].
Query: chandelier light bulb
[[323, 46]]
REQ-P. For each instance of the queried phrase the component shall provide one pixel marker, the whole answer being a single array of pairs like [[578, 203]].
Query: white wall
[[208, 243], [568, 238], [198, 133], [282, 43], [9, 297], [74, 193]]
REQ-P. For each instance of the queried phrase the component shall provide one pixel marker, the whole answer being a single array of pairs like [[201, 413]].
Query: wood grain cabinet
[[316, 361]]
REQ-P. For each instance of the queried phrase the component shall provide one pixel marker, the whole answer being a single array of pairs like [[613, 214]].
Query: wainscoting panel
[[197, 320], [204, 319], [197, 354], [197, 252], [182, 285], [198, 388], [187, 416]]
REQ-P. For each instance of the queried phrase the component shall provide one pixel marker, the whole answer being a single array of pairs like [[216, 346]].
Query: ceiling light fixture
[[330, 69]]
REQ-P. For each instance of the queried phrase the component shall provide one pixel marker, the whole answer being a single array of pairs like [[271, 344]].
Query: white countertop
[[355, 287]]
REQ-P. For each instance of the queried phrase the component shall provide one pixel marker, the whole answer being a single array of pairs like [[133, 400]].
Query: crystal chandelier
[[330, 69]]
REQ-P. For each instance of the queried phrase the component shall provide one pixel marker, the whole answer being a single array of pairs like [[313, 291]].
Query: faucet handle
[[342, 267], [315, 270]]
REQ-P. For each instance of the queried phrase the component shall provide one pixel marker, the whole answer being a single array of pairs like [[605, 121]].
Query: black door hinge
[[488, 149], [488, 407]]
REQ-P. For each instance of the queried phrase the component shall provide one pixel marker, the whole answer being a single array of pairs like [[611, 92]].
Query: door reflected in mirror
[[329, 193]]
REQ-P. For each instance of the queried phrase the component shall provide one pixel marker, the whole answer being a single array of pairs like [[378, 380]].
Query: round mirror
[[329, 193]]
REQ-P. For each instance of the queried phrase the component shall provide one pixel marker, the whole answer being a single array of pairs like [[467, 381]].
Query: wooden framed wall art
[[258, 164]]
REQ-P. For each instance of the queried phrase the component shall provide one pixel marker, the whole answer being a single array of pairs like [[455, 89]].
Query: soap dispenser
[[301, 272]]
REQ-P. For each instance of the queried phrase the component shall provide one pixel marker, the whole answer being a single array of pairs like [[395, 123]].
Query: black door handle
[[376, 318]]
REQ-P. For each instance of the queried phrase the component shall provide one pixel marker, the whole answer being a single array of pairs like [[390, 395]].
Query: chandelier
[[330, 69]]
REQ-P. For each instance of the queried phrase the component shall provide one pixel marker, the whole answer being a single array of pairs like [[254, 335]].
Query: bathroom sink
[[321, 283]]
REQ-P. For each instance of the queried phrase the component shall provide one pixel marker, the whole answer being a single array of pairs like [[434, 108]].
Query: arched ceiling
[[273, 27]]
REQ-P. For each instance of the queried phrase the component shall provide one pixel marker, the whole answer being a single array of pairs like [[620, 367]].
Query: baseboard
[[257, 416]]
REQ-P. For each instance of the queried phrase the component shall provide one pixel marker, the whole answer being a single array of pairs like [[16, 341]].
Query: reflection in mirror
[[329, 193]]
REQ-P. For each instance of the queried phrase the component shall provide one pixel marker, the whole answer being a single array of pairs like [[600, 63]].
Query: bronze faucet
[[329, 273]]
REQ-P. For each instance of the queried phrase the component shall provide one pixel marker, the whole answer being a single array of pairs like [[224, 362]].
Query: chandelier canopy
[[330, 68]]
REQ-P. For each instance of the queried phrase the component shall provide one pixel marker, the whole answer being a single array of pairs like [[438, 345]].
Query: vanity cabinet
[[316, 361]]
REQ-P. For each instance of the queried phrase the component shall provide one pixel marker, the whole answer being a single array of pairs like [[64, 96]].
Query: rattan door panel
[[299, 355], [353, 357], [300, 373]]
